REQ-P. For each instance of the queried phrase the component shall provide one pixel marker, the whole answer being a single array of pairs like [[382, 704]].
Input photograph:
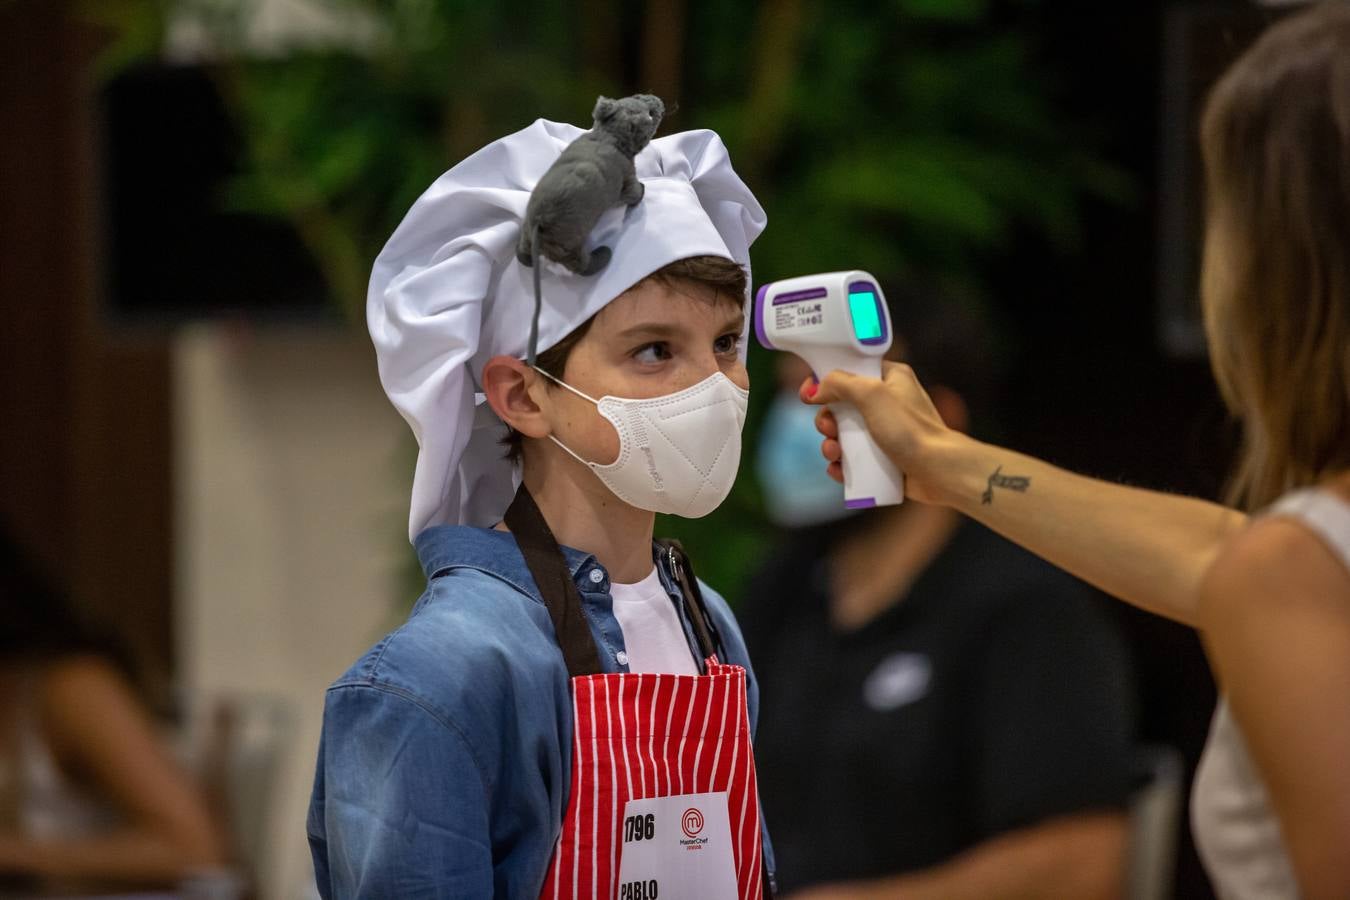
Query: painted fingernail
[[811, 391]]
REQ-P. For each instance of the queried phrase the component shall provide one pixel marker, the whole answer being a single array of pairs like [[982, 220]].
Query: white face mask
[[679, 453]]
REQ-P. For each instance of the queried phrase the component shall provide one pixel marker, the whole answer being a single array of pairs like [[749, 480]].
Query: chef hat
[[447, 293]]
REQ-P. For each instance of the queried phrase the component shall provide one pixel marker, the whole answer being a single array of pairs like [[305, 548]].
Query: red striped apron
[[651, 736], [675, 748]]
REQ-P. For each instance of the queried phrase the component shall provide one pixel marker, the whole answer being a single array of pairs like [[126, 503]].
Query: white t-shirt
[[652, 632]]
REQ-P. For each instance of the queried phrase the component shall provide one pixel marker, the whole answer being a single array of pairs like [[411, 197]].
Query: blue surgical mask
[[791, 471]]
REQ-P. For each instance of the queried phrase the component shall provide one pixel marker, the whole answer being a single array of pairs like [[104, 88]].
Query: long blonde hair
[[1276, 281]]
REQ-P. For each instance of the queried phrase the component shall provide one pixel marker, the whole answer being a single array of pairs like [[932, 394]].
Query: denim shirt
[[444, 762]]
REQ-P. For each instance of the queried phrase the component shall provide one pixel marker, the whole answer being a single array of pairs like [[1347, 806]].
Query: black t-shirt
[[994, 695]]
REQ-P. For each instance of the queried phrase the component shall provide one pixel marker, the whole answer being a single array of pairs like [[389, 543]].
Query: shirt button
[[597, 576], [621, 658]]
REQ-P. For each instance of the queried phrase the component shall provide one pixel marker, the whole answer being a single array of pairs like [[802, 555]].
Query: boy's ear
[[511, 388]]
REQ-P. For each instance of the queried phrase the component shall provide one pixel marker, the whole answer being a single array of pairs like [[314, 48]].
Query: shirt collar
[[443, 547]]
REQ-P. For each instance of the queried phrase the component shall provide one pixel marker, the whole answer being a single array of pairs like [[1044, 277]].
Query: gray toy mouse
[[594, 173]]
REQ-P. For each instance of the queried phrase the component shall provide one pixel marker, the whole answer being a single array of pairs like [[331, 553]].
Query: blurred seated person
[[90, 798], [944, 714]]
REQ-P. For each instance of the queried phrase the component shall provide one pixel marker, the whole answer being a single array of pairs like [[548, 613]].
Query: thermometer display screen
[[862, 305]]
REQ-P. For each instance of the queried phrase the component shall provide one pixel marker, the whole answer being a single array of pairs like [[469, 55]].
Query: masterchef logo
[[692, 824]]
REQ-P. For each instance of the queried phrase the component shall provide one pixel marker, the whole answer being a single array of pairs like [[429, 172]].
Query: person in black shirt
[[944, 714]]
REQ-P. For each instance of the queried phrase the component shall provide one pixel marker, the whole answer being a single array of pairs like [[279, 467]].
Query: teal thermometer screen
[[866, 322]]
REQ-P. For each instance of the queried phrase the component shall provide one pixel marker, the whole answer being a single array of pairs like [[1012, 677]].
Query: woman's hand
[[900, 417]]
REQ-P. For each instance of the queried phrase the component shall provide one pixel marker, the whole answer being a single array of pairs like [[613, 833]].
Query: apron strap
[[545, 561]]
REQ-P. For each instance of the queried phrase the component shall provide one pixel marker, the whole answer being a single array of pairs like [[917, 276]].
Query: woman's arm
[[99, 731], [1148, 548], [1275, 615]]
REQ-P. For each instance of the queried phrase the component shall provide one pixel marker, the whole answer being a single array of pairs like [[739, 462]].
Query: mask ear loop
[[554, 437], [560, 383]]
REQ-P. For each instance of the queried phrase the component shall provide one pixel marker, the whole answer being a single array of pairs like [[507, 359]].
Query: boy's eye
[[727, 344], [652, 353]]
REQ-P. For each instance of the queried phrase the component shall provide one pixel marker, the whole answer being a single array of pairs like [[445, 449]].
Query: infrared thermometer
[[833, 321]]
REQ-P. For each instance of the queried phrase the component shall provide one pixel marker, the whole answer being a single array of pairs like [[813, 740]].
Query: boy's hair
[[727, 280]]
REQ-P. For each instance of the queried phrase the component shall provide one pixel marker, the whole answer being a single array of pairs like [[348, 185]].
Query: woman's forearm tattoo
[[1018, 483]]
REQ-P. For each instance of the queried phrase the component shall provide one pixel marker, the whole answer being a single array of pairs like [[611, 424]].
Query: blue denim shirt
[[444, 763]]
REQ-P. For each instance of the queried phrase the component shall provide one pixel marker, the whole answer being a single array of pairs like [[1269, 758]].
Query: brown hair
[[1276, 282], [726, 279]]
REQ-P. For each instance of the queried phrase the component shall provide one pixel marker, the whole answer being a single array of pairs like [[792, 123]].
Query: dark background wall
[[85, 445], [1094, 388]]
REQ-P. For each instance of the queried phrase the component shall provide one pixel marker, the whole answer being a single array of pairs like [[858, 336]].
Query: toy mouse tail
[[538, 296]]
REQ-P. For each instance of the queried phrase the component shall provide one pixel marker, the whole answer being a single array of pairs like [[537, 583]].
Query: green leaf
[[912, 184]]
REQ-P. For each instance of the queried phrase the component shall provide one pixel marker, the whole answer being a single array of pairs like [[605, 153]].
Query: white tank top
[[1235, 828], [51, 806]]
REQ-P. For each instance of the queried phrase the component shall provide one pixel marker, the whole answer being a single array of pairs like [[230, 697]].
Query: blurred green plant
[[899, 136]]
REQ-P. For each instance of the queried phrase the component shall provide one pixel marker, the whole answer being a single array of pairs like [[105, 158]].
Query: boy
[[565, 710]]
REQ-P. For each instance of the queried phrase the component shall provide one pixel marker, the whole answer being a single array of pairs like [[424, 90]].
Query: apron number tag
[[677, 848]]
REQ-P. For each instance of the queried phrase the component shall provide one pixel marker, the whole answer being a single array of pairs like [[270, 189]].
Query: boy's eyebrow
[[652, 330], [661, 330], [736, 322]]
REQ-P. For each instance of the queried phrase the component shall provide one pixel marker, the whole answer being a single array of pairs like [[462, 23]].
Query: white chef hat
[[447, 293]]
